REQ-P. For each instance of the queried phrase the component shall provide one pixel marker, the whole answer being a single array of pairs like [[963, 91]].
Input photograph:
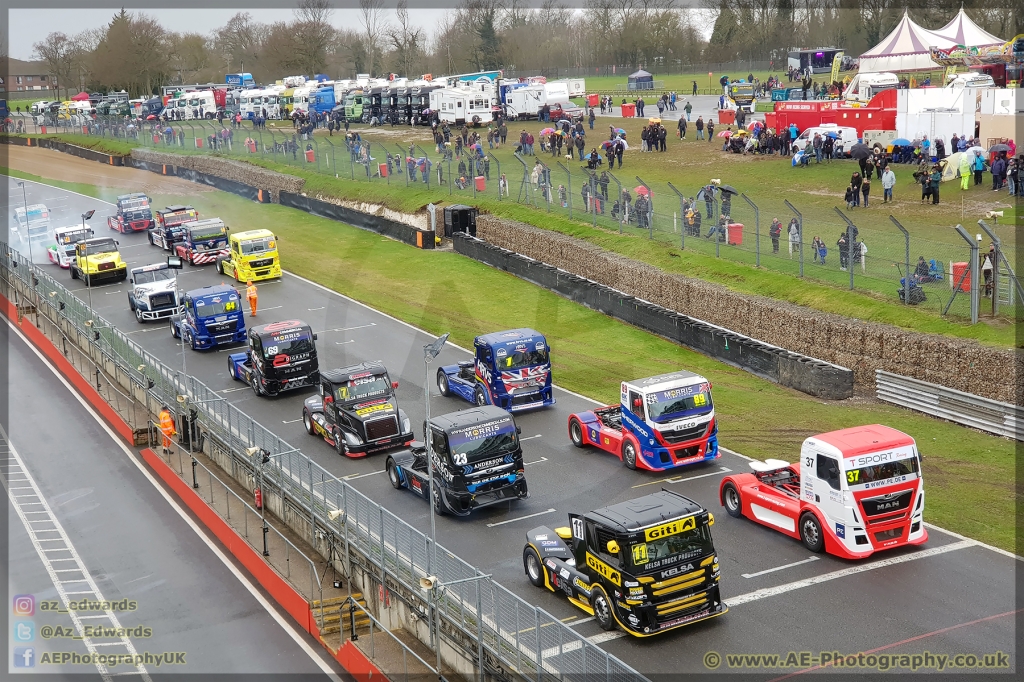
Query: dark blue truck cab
[[212, 317], [512, 370], [281, 357]]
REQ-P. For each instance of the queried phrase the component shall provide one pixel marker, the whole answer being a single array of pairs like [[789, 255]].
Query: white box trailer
[[458, 106], [577, 86], [523, 103]]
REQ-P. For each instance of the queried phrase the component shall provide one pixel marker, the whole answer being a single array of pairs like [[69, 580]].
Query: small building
[[25, 76]]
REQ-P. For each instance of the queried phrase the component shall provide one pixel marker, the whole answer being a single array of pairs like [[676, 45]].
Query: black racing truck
[[478, 461], [356, 411], [167, 227], [648, 564], [281, 357]]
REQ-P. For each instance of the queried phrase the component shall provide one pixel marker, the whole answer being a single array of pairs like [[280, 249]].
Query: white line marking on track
[[286, 625], [291, 421], [529, 437], [110, 293], [676, 479], [780, 568], [342, 343], [1010, 555], [606, 636], [320, 308], [842, 573], [273, 307], [352, 477], [520, 518], [348, 329], [580, 621], [536, 461], [232, 390]]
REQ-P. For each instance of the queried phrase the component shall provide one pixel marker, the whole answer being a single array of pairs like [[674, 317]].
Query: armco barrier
[[408, 234], [803, 373]]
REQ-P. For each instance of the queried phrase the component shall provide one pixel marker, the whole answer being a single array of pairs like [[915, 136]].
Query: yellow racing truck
[[98, 260], [251, 255]]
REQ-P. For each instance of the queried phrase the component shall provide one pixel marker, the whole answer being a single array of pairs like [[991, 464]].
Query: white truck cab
[[864, 86], [970, 80], [62, 251]]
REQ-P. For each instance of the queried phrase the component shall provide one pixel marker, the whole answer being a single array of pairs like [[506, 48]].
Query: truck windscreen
[[220, 306], [150, 276], [301, 343], [208, 233], [657, 554], [523, 358], [253, 246], [104, 246], [70, 238], [472, 443], [885, 473], [361, 388], [679, 402]]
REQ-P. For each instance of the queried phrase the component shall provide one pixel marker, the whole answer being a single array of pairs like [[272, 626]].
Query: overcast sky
[[28, 26]]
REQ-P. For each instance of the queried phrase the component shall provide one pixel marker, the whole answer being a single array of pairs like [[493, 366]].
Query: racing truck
[[512, 370], [62, 251], [854, 492], [647, 565], [356, 411], [167, 222], [251, 255], [660, 423], [203, 241], [97, 260], [133, 214], [153, 295], [211, 316], [31, 223], [478, 461], [281, 357]]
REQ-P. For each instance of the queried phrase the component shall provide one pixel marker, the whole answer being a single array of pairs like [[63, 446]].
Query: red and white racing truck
[[854, 492]]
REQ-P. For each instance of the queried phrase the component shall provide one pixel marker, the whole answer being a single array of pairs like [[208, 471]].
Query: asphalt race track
[[782, 597], [130, 542]]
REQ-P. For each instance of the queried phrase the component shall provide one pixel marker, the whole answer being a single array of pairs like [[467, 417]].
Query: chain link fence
[[501, 626]]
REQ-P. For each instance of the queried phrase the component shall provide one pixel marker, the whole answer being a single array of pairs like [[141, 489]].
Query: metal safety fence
[[503, 629]]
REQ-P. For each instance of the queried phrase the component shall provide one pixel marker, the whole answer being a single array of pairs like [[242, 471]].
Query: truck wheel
[[392, 470], [602, 609], [534, 569], [189, 341], [629, 454], [131, 304], [138, 314], [255, 385], [442, 383], [731, 500], [174, 330], [435, 494], [478, 397], [339, 442], [576, 433], [810, 533], [74, 272], [307, 421]]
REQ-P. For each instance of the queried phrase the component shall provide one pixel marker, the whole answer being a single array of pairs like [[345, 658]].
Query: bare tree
[[371, 14], [59, 53], [406, 40], [190, 55], [241, 40], [314, 26]]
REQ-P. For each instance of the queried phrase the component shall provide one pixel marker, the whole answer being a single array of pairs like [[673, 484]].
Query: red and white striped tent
[[904, 49], [963, 31]]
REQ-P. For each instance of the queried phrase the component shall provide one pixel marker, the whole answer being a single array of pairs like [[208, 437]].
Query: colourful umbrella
[[476, 146], [725, 133], [642, 190], [547, 131], [620, 131], [752, 125], [606, 144]]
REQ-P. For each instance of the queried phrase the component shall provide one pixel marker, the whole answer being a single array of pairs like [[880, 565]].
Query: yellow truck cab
[[98, 260], [251, 255]]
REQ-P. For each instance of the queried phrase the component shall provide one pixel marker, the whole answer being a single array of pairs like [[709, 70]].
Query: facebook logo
[[24, 630], [24, 657]]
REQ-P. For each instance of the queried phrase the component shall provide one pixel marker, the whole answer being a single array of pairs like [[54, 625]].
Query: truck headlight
[[406, 425], [352, 439]]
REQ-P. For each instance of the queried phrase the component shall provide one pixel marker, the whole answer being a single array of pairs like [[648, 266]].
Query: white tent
[[963, 31], [905, 49]]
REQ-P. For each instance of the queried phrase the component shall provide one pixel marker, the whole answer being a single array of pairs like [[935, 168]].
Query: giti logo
[[603, 569], [671, 528]]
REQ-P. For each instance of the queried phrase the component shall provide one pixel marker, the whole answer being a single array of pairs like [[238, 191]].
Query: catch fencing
[[875, 260], [489, 624], [968, 409]]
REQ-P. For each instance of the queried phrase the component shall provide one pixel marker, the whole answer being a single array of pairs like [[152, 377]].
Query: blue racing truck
[[203, 241], [512, 370], [212, 317]]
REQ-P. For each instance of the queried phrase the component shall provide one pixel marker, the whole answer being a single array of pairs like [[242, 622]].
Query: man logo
[[670, 528]]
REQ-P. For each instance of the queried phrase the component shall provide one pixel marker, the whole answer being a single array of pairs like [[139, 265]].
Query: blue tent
[[641, 80]]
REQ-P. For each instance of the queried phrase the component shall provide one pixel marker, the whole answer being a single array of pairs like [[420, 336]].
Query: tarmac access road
[[190, 596], [956, 594]]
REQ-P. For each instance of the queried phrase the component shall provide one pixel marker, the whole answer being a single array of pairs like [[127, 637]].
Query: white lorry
[[461, 105], [31, 224], [524, 103], [864, 86], [62, 251]]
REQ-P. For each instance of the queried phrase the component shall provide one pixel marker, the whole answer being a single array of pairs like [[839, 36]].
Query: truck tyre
[[629, 453], [74, 272], [602, 608], [576, 433], [307, 422], [435, 495], [534, 569], [731, 500], [478, 397], [339, 442], [392, 470], [174, 330], [138, 314], [189, 340], [255, 385], [810, 532], [442, 383]]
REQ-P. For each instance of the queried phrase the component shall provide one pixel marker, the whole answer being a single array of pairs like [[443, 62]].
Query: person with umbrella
[[861, 152]]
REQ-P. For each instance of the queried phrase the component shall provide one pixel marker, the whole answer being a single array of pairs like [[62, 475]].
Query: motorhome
[[458, 106], [864, 86], [526, 102], [577, 86]]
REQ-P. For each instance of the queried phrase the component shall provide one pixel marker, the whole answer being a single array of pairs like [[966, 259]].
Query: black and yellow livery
[[648, 565]]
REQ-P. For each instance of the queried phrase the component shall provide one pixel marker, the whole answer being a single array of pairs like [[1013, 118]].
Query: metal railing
[[521, 637], [353, 607], [971, 410]]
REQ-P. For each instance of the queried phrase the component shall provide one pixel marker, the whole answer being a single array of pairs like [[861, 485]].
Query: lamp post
[[88, 277], [433, 585], [28, 234], [264, 458], [430, 351], [175, 263]]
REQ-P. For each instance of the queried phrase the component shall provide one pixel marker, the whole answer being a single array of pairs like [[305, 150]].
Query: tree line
[[133, 52]]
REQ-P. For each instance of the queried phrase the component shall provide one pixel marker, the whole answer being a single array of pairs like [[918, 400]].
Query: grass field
[[442, 291], [766, 180]]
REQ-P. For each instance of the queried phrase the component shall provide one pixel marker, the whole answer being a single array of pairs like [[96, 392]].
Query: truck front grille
[[161, 300], [221, 328], [673, 437], [105, 266], [261, 263], [385, 427]]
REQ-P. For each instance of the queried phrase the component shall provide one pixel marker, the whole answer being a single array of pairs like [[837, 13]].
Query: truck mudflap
[[463, 503]]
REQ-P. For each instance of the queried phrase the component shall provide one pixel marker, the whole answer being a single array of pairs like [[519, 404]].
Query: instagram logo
[[24, 605]]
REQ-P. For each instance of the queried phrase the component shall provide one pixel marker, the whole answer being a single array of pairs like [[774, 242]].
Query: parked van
[[845, 136]]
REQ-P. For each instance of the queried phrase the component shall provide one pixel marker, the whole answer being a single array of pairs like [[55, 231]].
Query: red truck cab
[[854, 492]]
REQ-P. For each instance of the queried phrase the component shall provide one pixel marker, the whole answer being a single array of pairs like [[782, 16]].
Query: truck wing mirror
[[314, 337], [394, 385], [711, 519], [519, 431], [564, 533], [612, 547], [132, 280]]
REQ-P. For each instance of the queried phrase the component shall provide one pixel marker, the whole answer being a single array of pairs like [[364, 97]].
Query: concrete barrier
[[422, 239]]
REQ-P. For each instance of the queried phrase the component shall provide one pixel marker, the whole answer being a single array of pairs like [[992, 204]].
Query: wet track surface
[[783, 598]]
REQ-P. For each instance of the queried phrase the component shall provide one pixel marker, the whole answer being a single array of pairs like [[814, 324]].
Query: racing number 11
[[577, 528]]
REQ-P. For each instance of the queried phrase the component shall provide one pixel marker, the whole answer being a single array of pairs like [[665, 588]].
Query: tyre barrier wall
[[407, 234], [803, 373], [65, 148]]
